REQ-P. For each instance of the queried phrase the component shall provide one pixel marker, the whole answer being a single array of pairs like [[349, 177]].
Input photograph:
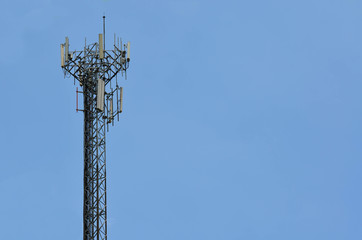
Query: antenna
[[62, 55], [66, 48], [128, 51], [101, 48], [100, 95]]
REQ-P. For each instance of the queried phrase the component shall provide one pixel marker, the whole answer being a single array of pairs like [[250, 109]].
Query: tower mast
[[95, 68]]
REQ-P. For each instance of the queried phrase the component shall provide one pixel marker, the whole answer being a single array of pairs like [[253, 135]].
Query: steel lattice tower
[[95, 69]]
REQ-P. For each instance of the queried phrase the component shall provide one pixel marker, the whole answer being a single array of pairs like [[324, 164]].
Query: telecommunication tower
[[96, 70]]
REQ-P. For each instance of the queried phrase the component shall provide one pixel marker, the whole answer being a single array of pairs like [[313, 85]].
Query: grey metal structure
[[96, 69]]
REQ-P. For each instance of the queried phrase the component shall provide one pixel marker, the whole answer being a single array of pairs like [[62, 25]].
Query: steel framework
[[95, 68]]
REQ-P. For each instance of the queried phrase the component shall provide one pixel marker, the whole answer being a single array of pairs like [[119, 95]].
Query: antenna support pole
[[104, 32]]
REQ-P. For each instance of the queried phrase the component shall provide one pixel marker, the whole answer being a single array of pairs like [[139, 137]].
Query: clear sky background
[[242, 120]]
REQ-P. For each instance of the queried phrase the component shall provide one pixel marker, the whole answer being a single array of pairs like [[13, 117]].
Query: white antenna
[[62, 55], [101, 52], [100, 95], [128, 50], [66, 48]]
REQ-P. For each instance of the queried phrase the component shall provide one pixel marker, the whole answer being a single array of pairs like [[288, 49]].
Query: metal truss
[[93, 67]]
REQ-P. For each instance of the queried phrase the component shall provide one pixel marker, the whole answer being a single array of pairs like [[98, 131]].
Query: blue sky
[[242, 120]]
